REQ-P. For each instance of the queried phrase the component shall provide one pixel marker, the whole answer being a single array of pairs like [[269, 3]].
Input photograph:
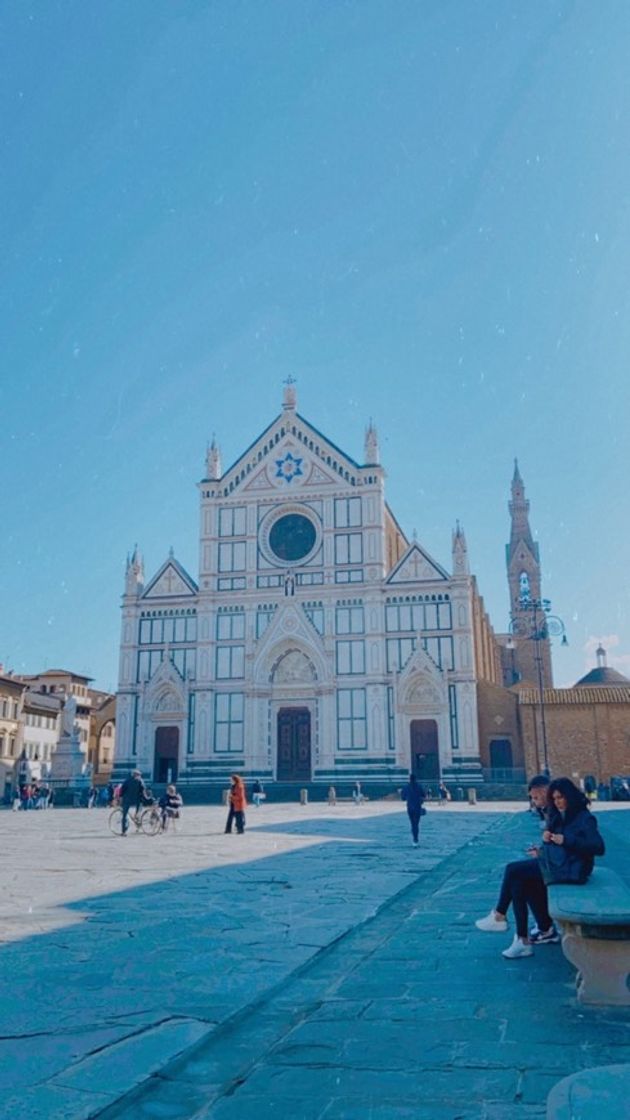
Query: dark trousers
[[235, 815], [414, 820], [126, 809], [523, 886]]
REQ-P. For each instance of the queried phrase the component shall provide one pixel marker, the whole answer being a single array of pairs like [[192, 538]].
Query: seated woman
[[571, 840], [170, 804]]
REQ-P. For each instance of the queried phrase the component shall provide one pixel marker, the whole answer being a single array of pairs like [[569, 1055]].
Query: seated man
[[524, 877]]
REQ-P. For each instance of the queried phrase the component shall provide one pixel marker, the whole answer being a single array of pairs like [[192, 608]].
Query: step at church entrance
[[294, 745]]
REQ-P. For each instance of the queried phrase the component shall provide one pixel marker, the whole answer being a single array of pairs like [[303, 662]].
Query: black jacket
[[582, 838], [132, 791], [413, 794]]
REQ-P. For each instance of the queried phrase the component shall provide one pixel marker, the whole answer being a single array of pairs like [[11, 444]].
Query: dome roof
[[604, 676]]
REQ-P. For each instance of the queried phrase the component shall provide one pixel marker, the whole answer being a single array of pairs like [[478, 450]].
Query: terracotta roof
[[597, 694]]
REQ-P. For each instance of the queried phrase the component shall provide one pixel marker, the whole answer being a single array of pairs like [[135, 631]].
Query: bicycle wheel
[[115, 822], [150, 821]]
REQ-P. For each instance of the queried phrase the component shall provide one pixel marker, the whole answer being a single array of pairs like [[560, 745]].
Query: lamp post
[[536, 623]]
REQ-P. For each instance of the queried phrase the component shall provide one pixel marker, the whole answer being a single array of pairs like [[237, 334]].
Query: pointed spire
[[213, 460], [600, 653], [134, 572], [519, 512], [289, 395], [171, 553], [461, 566], [371, 452]]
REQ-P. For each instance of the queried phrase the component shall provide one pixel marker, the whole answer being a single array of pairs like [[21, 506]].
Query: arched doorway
[[294, 745], [425, 758], [166, 754]]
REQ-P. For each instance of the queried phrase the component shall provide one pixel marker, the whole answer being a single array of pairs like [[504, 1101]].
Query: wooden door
[[294, 745], [425, 758], [166, 754]]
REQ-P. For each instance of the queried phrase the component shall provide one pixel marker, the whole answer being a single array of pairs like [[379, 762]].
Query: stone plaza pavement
[[318, 966]]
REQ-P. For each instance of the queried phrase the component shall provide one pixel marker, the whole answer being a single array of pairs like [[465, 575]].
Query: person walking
[[238, 804], [132, 792], [258, 793], [414, 795]]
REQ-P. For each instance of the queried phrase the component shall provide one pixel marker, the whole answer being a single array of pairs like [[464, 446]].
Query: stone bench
[[590, 1094], [595, 922]]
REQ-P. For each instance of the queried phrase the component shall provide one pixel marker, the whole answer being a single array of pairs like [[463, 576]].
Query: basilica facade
[[317, 644]]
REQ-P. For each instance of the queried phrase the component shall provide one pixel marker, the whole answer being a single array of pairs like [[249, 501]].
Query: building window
[[232, 522], [231, 626], [237, 583], [232, 557], [399, 650], [417, 617], [148, 661], [348, 548], [230, 662], [228, 722], [263, 618], [351, 719], [350, 657], [145, 631], [349, 620], [316, 617], [347, 512], [349, 575]]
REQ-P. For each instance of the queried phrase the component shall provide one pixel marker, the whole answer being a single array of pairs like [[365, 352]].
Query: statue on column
[[68, 717]]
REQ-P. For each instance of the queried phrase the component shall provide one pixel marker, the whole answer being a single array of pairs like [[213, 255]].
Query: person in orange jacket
[[238, 804]]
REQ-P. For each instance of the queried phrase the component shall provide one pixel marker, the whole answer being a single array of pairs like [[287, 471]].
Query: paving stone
[[288, 991]]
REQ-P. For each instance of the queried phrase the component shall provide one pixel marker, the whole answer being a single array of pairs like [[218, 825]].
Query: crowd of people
[[32, 795]]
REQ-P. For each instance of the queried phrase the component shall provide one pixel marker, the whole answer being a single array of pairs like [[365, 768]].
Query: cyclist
[[132, 794], [170, 804]]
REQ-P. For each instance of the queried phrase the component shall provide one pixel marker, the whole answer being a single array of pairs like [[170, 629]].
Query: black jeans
[[235, 815], [523, 886], [126, 810], [414, 819]]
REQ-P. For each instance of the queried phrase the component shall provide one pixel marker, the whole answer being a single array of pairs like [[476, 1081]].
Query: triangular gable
[[171, 582], [416, 566], [290, 627], [288, 451]]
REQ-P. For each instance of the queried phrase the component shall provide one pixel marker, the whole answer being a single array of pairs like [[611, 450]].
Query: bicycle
[[147, 820]]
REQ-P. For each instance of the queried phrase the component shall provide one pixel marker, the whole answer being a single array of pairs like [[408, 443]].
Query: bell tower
[[522, 556]]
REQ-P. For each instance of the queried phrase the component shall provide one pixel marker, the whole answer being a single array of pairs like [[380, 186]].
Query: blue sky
[[419, 209]]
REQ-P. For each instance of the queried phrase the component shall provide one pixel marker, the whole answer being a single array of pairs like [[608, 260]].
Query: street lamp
[[536, 623]]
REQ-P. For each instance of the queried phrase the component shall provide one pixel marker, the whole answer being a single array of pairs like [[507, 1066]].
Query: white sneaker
[[492, 924], [518, 948]]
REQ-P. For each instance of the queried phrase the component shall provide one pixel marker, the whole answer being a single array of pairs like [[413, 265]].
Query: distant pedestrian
[[444, 794], [238, 803], [414, 795], [332, 795], [258, 793], [357, 794]]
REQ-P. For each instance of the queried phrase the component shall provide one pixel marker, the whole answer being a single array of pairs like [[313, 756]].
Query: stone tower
[[524, 581]]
